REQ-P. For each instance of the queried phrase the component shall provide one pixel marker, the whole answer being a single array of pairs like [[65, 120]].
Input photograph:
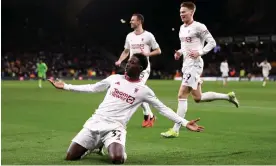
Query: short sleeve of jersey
[[153, 43], [127, 45]]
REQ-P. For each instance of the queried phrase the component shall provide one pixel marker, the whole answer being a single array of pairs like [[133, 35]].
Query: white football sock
[[181, 111], [146, 109], [224, 81], [210, 96], [264, 83]]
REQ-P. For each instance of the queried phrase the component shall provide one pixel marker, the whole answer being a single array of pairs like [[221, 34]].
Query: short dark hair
[[142, 60], [140, 17], [189, 5]]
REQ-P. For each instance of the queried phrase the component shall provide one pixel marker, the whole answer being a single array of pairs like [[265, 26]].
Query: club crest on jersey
[[123, 96], [142, 39], [118, 83], [205, 32], [136, 90]]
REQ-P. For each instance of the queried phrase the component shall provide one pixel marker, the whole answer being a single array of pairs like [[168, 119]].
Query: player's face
[[134, 22], [133, 67], [186, 14]]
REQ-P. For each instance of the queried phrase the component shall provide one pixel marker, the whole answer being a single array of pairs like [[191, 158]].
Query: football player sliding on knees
[[107, 126]]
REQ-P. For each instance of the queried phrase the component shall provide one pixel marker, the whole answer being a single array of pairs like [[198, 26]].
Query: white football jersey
[[224, 67], [122, 99], [193, 37], [136, 43], [265, 66]]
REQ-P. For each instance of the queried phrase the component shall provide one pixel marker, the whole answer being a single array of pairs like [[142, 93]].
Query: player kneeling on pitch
[[107, 126]]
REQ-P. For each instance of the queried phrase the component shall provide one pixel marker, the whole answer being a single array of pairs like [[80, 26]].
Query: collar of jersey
[[127, 78]]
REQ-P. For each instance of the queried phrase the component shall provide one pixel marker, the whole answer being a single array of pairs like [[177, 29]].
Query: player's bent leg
[[265, 78], [83, 144], [75, 151], [183, 94], [114, 141], [116, 153], [212, 96], [40, 82], [44, 77], [149, 118]]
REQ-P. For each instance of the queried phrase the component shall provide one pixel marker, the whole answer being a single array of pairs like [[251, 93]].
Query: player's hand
[[146, 54], [57, 84], [177, 55], [193, 54], [193, 126], [118, 63]]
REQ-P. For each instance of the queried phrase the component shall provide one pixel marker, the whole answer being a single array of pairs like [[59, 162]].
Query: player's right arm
[[260, 65], [124, 54], [150, 98], [89, 88], [178, 53]]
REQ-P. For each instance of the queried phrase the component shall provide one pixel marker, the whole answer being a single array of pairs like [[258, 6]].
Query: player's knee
[[117, 158], [182, 96], [197, 99], [116, 153], [70, 156]]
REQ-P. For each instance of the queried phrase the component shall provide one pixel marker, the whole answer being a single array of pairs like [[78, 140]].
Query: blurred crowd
[[82, 40], [98, 62], [241, 57], [59, 64]]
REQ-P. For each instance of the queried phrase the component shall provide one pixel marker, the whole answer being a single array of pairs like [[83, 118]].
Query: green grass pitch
[[38, 125]]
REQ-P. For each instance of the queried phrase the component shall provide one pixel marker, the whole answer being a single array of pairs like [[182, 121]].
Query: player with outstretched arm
[[107, 126]]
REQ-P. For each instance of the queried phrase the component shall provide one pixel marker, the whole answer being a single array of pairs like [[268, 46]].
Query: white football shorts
[[224, 74], [265, 74], [98, 132], [191, 76]]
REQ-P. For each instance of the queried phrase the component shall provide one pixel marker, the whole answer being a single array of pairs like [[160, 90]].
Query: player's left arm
[[154, 46], [206, 36], [46, 67], [150, 98], [89, 88], [269, 67]]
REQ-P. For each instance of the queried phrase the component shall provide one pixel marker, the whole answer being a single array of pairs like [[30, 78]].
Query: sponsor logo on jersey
[[123, 96], [137, 46]]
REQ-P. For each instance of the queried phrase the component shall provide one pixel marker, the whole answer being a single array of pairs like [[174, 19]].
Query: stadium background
[[77, 37]]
